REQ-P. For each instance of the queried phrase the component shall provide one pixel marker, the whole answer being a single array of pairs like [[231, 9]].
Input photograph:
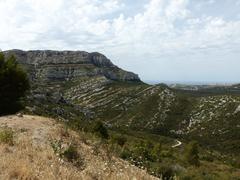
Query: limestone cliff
[[64, 65]]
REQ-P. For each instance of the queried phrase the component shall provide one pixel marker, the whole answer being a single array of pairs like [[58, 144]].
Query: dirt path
[[178, 143]]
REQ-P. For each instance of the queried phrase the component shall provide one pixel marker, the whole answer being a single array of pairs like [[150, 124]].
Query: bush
[[71, 153], [13, 85], [208, 157], [6, 136], [166, 153], [156, 152], [126, 154], [120, 140], [143, 151], [166, 172], [191, 153], [57, 146], [236, 162], [100, 130]]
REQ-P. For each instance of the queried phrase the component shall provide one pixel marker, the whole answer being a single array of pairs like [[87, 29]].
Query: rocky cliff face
[[64, 65]]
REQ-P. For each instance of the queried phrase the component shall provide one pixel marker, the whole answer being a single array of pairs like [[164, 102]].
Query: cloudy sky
[[161, 40]]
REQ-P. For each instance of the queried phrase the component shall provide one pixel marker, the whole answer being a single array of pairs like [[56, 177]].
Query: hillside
[[29, 153], [80, 88], [213, 120]]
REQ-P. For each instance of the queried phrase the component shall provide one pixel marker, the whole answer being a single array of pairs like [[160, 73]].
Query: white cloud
[[86, 22], [162, 29], [25, 22], [155, 30]]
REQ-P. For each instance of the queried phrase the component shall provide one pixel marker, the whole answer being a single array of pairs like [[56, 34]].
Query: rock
[[19, 115], [237, 110], [59, 111], [100, 60], [65, 65], [39, 97]]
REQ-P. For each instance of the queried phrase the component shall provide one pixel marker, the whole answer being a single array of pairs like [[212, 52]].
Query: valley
[[80, 88]]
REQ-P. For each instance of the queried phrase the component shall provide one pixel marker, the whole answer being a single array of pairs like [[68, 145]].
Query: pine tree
[[13, 85], [191, 153], [100, 130]]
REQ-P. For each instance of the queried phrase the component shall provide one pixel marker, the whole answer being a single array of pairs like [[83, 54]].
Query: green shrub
[[236, 162], [156, 152], [100, 130], [120, 140], [142, 152], [57, 146], [166, 172], [208, 158], [126, 154], [166, 153], [71, 153], [6, 136], [191, 153]]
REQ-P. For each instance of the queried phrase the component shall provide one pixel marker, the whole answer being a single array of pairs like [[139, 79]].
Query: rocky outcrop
[[64, 65]]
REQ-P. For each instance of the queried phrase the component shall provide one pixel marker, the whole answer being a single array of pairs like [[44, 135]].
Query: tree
[[142, 151], [100, 130], [14, 84], [156, 152], [119, 139], [191, 153], [165, 171]]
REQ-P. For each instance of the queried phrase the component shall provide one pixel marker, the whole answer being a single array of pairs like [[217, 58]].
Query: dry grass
[[32, 156], [6, 136]]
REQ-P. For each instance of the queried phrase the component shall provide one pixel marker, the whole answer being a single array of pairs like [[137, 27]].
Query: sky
[[161, 40]]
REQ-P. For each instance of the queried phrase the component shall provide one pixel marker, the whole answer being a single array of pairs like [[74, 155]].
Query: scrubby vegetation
[[13, 85], [191, 153], [100, 130], [68, 152], [140, 123], [6, 136], [42, 150]]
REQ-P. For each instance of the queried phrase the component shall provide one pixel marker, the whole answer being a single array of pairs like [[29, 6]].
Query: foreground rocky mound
[[65, 65], [33, 147]]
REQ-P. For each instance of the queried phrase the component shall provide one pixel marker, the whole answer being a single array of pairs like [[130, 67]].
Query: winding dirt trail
[[178, 143]]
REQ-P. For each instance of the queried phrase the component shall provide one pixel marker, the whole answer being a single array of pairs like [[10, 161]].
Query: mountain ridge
[[48, 65]]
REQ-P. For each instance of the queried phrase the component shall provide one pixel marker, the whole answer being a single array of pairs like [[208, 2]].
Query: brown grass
[[32, 157]]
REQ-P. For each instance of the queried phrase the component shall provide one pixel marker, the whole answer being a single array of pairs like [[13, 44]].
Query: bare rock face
[[64, 65]]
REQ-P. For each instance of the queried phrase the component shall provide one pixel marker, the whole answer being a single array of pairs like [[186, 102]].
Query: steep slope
[[33, 153]]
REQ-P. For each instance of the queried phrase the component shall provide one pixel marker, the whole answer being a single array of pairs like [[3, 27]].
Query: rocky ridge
[[49, 65]]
